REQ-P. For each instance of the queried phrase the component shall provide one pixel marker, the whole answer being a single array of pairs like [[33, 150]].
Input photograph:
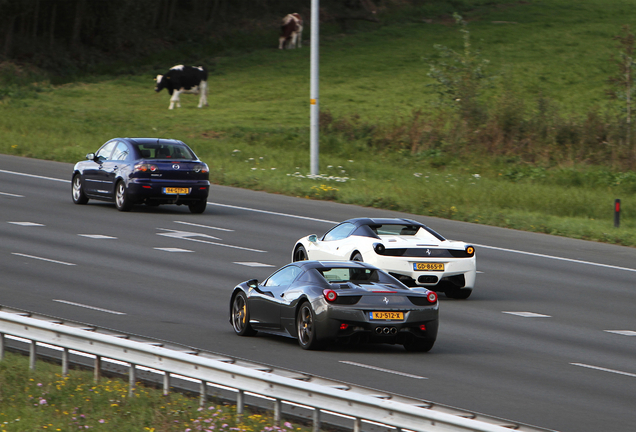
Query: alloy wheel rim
[[77, 186]]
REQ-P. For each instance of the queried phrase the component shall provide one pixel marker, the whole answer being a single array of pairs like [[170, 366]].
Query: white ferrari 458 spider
[[406, 249]]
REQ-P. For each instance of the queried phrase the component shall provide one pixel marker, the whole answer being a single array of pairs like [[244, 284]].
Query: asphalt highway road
[[548, 337]]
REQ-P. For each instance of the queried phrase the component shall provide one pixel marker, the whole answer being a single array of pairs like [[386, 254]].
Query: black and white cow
[[291, 32], [184, 79]]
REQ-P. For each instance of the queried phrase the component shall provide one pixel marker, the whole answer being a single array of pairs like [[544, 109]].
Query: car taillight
[[431, 297], [201, 168], [344, 326], [330, 295], [423, 327], [145, 168], [470, 251]]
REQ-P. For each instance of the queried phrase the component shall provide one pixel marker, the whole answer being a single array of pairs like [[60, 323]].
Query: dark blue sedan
[[152, 171]]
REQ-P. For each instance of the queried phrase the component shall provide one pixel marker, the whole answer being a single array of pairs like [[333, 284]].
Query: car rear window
[[164, 151]]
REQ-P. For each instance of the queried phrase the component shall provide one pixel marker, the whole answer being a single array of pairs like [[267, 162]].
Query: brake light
[[145, 168], [330, 295], [431, 297], [470, 251], [423, 327], [344, 326], [203, 168]]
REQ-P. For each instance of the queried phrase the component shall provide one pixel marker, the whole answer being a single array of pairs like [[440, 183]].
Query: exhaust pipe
[[386, 330]]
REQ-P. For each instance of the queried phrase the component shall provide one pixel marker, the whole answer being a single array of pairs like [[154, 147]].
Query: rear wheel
[[78, 190], [306, 326], [241, 316], [198, 207], [458, 293], [300, 254], [419, 345], [122, 202]]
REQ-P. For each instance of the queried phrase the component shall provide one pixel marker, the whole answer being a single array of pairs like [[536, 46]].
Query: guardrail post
[[32, 354], [97, 368], [166, 383], [1, 346], [357, 424], [65, 355], [277, 412], [240, 402], [132, 379], [316, 425], [203, 393]]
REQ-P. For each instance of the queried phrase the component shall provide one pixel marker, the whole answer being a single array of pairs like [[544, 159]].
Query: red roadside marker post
[[617, 213]]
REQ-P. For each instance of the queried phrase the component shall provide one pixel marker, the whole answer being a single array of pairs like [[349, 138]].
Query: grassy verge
[[384, 140], [45, 400]]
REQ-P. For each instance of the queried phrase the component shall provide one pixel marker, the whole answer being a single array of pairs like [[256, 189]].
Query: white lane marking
[[622, 332], [527, 314], [558, 258], [382, 369], [89, 307], [34, 176], [253, 264], [26, 223], [272, 213], [204, 226], [604, 369], [188, 236], [184, 234], [42, 259], [97, 236], [11, 195], [173, 250]]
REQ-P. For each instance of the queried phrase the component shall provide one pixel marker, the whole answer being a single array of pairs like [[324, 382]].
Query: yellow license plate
[[428, 266], [386, 315], [176, 191]]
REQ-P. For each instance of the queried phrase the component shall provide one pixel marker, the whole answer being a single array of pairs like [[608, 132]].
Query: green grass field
[[43, 399], [255, 133]]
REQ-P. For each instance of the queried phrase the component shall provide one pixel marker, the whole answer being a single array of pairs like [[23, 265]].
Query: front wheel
[[300, 254], [357, 257], [122, 201], [241, 316], [79, 197], [198, 207], [306, 326]]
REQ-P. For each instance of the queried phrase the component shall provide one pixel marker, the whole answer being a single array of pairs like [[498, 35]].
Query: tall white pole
[[314, 107]]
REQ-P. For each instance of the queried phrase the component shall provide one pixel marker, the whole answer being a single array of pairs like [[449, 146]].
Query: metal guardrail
[[319, 394]]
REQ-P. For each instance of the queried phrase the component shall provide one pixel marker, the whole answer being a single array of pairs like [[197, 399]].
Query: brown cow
[[291, 32]]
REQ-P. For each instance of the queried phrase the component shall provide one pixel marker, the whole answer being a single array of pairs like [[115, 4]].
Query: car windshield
[[165, 151], [395, 229], [358, 276]]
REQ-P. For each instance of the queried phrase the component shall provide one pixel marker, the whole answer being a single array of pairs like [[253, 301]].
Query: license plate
[[386, 315], [176, 191], [428, 266]]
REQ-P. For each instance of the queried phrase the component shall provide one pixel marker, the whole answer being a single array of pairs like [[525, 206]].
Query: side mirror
[[90, 156], [252, 283], [313, 238]]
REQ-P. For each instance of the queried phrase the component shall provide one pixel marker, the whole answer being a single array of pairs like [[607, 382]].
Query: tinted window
[[284, 276], [104, 152], [395, 229], [121, 152], [165, 151], [339, 232], [359, 276]]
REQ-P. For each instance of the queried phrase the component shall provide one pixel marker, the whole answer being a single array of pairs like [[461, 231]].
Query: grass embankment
[[45, 400], [384, 141]]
